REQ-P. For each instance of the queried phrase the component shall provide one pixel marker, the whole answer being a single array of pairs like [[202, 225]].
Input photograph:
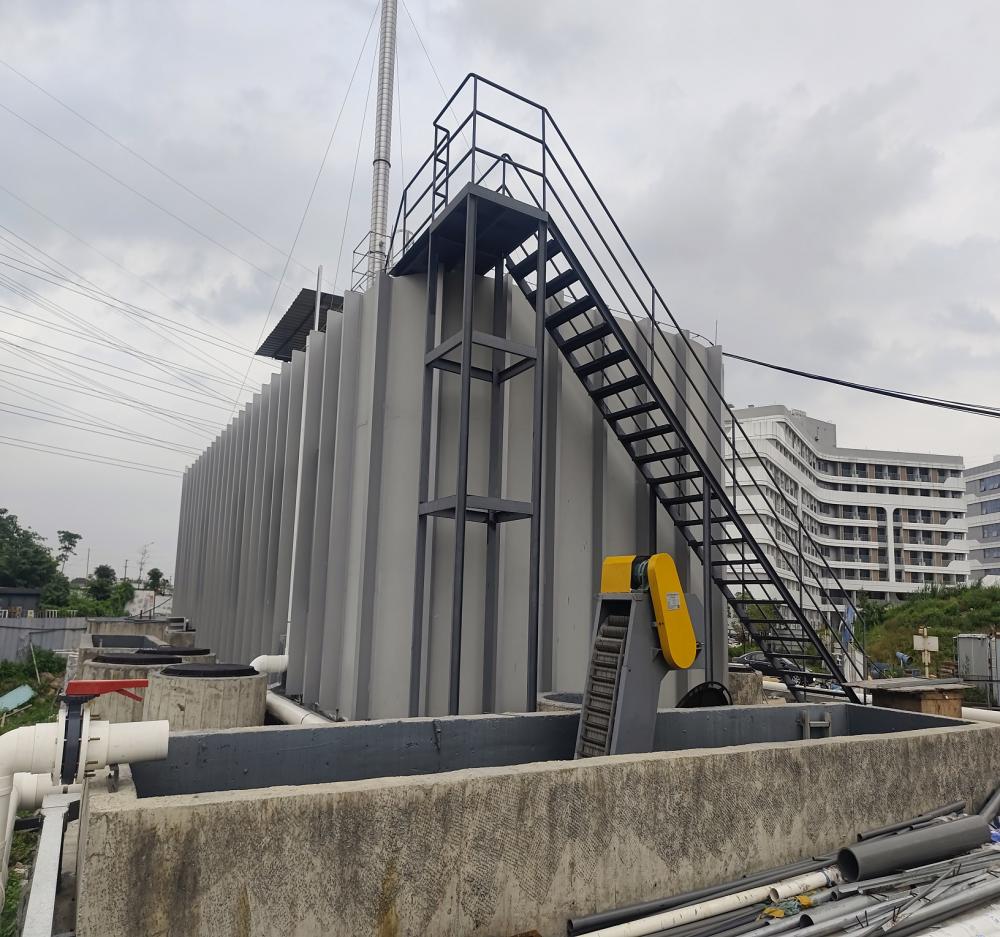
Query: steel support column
[[423, 483], [462, 475], [494, 491], [534, 550]]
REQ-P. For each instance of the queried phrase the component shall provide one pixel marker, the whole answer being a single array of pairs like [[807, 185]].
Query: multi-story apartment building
[[885, 523], [982, 487]]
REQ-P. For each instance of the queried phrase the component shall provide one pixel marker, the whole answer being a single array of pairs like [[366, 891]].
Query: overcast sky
[[814, 182]]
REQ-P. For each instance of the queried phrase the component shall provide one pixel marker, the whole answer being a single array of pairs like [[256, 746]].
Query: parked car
[[757, 660]]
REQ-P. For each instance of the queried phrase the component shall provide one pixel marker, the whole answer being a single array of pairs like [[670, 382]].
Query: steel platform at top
[[502, 224]]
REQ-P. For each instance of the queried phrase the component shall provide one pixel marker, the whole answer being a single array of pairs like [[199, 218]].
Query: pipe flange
[[72, 741]]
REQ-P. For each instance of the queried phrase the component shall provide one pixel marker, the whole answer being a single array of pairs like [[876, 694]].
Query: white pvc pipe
[[292, 714], [270, 663], [714, 906], [116, 743], [805, 883]]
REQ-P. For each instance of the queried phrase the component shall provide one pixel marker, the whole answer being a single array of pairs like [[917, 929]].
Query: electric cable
[[112, 302], [156, 328], [312, 192], [106, 257], [90, 428], [94, 457], [149, 162], [111, 396], [354, 174], [137, 192], [977, 409], [110, 340], [430, 62], [189, 423], [145, 356]]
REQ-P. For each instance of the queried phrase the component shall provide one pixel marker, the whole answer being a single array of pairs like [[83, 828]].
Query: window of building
[[990, 483]]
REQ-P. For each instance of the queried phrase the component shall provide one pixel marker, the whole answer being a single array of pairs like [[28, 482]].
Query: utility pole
[[125, 577], [86, 572], [383, 139]]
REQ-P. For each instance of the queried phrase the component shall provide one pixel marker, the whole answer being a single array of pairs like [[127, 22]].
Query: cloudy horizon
[[814, 183]]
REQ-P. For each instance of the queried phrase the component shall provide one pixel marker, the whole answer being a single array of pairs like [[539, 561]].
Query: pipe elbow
[[29, 749], [270, 663]]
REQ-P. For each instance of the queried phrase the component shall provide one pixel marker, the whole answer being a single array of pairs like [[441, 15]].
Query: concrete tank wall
[[335, 527], [114, 707], [495, 851], [206, 702], [167, 633]]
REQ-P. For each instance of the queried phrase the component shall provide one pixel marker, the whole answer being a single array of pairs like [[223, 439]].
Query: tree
[[102, 582], [24, 558], [56, 592], [154, 579], [67, 545]]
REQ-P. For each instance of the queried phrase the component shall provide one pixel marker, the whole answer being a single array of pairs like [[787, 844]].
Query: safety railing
[[508, 143]]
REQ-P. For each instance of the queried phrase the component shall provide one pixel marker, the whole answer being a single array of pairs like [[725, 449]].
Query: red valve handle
[[92, 688]]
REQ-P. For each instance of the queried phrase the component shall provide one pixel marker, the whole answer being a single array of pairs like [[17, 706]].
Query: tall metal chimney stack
[[383, 139]]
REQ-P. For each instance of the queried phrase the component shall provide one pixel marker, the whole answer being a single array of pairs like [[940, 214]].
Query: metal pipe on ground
[[873, 913], [876, 857], [991, 808], [957, 807], [713, 907], [593, 922], [945, 908], [835, 909], [980, 859]]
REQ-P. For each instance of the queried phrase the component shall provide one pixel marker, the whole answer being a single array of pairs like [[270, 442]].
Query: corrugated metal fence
[[54, 634]]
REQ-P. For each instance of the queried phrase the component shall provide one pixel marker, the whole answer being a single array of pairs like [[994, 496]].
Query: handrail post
[[475, 121], [545, 148]]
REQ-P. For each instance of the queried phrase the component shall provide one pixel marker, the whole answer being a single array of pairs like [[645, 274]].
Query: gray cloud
[[816, 180]]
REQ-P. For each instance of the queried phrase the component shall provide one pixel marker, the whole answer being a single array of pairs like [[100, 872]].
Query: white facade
[[887, 523], [982, 485]]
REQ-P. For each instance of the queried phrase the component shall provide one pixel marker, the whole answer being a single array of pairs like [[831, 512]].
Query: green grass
[[43, 708], [945, 613]]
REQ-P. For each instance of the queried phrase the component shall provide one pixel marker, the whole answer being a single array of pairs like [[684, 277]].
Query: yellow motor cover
[[673, 622]]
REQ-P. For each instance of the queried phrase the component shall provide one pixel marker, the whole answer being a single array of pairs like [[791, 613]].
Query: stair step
[[601, 364], [637, 410], [698, 521], [587, 337], [722, 542], [618, 387], [555, 285], [530, 263], [674, 479], [684, 499], [664, 454], [570, 311], [649, 433]]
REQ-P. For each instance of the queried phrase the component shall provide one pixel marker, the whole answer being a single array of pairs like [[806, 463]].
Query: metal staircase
[[641, 370]]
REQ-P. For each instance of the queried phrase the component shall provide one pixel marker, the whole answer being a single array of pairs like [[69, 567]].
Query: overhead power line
[[958, 405], [109, 259], [159, 169], [312, 191], [33, 446], [91, 428], [136, 192]]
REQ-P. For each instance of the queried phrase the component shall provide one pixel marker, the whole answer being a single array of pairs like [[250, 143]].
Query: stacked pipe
[[897, 880]]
